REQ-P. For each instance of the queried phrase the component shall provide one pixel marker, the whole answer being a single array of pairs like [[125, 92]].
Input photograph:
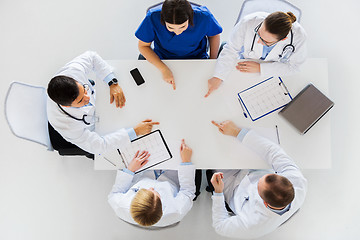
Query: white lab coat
[[177, 192], [252, 219], [242, 36], [77, 132]]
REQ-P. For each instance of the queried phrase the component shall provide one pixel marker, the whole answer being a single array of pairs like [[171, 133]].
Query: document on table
[[265, 97], [153, 142]]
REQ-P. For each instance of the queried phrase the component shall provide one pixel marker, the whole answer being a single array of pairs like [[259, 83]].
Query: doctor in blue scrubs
[[179, 31]]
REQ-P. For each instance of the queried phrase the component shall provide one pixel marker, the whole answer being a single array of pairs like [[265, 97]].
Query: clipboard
[[153, 142], [264, 98]]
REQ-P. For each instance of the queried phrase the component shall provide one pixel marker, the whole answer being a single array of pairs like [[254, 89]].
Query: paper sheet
[[264, 98]]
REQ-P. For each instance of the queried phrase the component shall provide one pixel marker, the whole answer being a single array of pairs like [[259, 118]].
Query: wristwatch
[[113, 81]]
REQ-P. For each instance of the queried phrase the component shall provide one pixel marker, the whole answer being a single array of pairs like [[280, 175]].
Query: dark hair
[[279, 23], [176, 12], [279, 191], [63, 90]]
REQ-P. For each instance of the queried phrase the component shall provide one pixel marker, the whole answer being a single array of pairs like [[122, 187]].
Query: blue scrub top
[[190, 44]]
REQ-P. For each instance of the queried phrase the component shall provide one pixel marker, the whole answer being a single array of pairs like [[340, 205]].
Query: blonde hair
[[146, 208], [280, 23]]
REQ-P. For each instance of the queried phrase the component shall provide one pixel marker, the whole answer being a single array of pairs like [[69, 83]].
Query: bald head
[[276, 190]]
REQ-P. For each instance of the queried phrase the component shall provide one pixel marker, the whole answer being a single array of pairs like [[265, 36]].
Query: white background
[[45, 196]]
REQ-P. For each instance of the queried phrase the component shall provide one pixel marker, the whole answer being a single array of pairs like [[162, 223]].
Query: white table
[[185, 113]]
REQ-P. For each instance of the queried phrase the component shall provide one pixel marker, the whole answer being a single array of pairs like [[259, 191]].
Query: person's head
[[276, 191], [176, 15], [68, 92], [146, 207], [275, 27]]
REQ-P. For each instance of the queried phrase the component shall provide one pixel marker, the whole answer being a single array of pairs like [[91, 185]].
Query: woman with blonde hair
[[154, 197]]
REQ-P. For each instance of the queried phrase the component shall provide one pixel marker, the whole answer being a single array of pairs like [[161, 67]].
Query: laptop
[[307, 108]]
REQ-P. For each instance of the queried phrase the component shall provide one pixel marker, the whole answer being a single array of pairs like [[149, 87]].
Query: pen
[[109, 161], [277, 133], [122, 159], [242, 107]]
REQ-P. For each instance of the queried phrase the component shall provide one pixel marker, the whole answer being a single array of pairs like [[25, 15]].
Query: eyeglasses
[[264, 42], [86, 87]]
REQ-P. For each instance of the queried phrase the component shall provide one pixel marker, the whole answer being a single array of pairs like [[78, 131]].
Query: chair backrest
[[160, 3], [270, 6], [25, 112]]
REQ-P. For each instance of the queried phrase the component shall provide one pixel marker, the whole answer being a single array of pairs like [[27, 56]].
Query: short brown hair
[[279, 23], [146, 208], [176, 12], [279, 191]]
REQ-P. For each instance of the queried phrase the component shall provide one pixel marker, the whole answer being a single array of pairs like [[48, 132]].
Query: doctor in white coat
[[154, 198], [271, 44], [71, 107], [261, 200]]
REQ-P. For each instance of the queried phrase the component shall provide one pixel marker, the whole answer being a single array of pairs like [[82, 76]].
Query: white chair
[[25, 112], [270, 6]]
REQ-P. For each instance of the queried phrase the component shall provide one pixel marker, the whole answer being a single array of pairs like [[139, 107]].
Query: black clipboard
[[125, 161]]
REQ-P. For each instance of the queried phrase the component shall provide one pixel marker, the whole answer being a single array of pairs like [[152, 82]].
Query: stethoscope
[[96, 119], [286, 52]]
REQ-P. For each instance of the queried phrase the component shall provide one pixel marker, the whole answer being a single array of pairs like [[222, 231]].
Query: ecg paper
[[154, 143], [265, 97]]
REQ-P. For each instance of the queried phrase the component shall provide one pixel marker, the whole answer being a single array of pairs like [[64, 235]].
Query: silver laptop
[[306, 108]]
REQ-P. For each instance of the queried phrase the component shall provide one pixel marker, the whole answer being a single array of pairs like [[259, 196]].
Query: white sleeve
[[275, 156], [292, 66], [230, 226], [122, 183], [186, 194], [230, 53], [93, 142], [117, 198], [86, 63]]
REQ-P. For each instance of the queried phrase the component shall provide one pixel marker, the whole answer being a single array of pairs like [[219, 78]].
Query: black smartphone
[[137, 76]]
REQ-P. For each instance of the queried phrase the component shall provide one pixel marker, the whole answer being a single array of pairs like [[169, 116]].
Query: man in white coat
[[261, 200], [271, 44], [154, 198], [71, 108]]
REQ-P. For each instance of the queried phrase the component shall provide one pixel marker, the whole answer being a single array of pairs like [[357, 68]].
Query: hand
[[217, 182], [138, 161], [117, 94], [248, 66], [213, 84], [228, 128], [144, 127], [168, 77], [185, 152]]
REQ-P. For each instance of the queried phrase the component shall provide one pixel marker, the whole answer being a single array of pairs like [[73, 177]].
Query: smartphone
[[137, 76]]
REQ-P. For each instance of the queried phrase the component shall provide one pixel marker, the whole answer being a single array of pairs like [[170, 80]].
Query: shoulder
[[202, 11], [154, 12], [295, 176], [152, 17], [255, 17], [299, 30], [251, 20]]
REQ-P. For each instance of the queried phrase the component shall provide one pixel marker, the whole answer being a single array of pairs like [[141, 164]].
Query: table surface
[[185, 113]]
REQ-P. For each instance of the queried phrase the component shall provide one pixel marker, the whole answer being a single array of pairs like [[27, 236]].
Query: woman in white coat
[[154, 198], [274, 44]]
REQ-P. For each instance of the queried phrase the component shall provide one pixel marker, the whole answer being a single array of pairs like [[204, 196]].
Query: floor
[[45, 196]]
